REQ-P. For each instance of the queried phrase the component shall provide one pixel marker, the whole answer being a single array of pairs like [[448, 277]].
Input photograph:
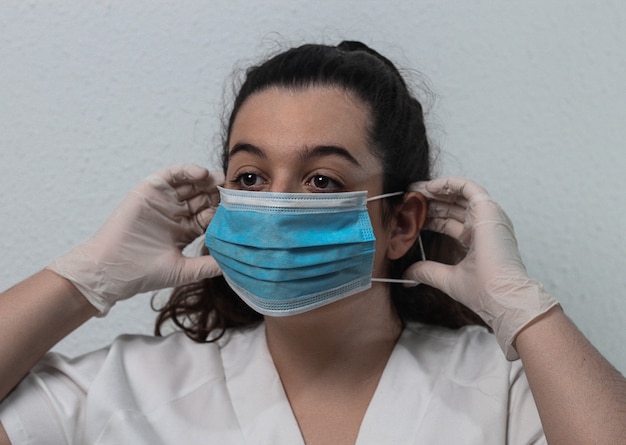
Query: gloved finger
[[450, 227], [449, 189], [457, 187], [217, 177], [183, 174], [199, 203], [204, 217], [447, 196], [438, 209], [198, 268], [153, 193], [422, 187], [206, 185], [189, 190], [484, 210], [431, 273]]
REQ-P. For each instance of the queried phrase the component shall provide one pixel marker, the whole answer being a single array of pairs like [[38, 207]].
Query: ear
[[407, 224]]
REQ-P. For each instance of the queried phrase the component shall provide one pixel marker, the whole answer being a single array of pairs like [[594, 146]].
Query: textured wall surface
[[529, 100]]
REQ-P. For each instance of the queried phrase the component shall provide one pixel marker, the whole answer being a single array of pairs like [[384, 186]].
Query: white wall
[[529, 102]]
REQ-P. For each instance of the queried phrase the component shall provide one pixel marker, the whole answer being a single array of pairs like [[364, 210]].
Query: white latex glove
[[139, 247], [491, 280]]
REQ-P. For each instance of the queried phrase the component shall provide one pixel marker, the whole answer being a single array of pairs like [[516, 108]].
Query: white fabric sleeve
[[50, 400], [139, 390], [524, 424]]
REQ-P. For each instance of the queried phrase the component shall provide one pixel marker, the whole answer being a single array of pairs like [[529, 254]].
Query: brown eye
[[320, 181], [323, 183], [248, 180]]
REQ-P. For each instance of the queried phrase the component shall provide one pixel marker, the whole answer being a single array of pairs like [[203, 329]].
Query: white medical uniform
[[439, 387]]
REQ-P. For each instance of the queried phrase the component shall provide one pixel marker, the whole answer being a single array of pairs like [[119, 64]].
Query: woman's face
[[310, 140]]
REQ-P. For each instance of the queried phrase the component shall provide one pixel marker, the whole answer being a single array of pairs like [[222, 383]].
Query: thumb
[[198, 268], [431, 273]]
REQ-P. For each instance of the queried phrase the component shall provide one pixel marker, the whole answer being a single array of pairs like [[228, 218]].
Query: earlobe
[[409, 220]]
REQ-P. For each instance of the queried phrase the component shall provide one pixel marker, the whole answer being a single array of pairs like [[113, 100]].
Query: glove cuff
[[521, 310], [71, 272]]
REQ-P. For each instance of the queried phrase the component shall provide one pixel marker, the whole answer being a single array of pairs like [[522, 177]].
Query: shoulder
[[473, 337], [134, 351], [140, 387], [467, 353], [142, 371], [464, 377], [146, 361]]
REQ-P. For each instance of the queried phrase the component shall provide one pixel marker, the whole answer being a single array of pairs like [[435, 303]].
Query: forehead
[[312, 115]]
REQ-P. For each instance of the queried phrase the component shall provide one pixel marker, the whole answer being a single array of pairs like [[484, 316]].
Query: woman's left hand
[[491, 280]]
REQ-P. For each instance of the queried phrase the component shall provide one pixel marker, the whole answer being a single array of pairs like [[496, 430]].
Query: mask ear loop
[[419, 241], [419, 237], [401, 281], [386, 195]]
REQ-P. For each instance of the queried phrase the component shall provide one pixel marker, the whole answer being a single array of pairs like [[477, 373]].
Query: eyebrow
[[308, 153], [328, 150], [247, 148]]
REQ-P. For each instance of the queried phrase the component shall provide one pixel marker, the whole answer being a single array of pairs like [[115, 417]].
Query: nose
[[285, 182]]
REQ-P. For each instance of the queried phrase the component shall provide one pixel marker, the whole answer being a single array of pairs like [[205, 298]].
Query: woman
[[326, 192]]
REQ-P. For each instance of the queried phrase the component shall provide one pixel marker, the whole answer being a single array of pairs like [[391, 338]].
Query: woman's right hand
[[139, 247]]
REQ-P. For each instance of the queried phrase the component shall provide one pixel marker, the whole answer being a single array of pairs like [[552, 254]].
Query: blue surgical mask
[[288, 253]]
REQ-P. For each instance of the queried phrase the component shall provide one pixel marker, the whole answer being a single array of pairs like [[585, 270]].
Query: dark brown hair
[[397, 136]]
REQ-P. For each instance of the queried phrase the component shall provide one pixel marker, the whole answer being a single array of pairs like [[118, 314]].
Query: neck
[[331, 359], [351, 337]]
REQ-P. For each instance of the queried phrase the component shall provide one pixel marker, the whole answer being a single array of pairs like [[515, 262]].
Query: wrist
[[76, 301], [519, 307], [525, 337]]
